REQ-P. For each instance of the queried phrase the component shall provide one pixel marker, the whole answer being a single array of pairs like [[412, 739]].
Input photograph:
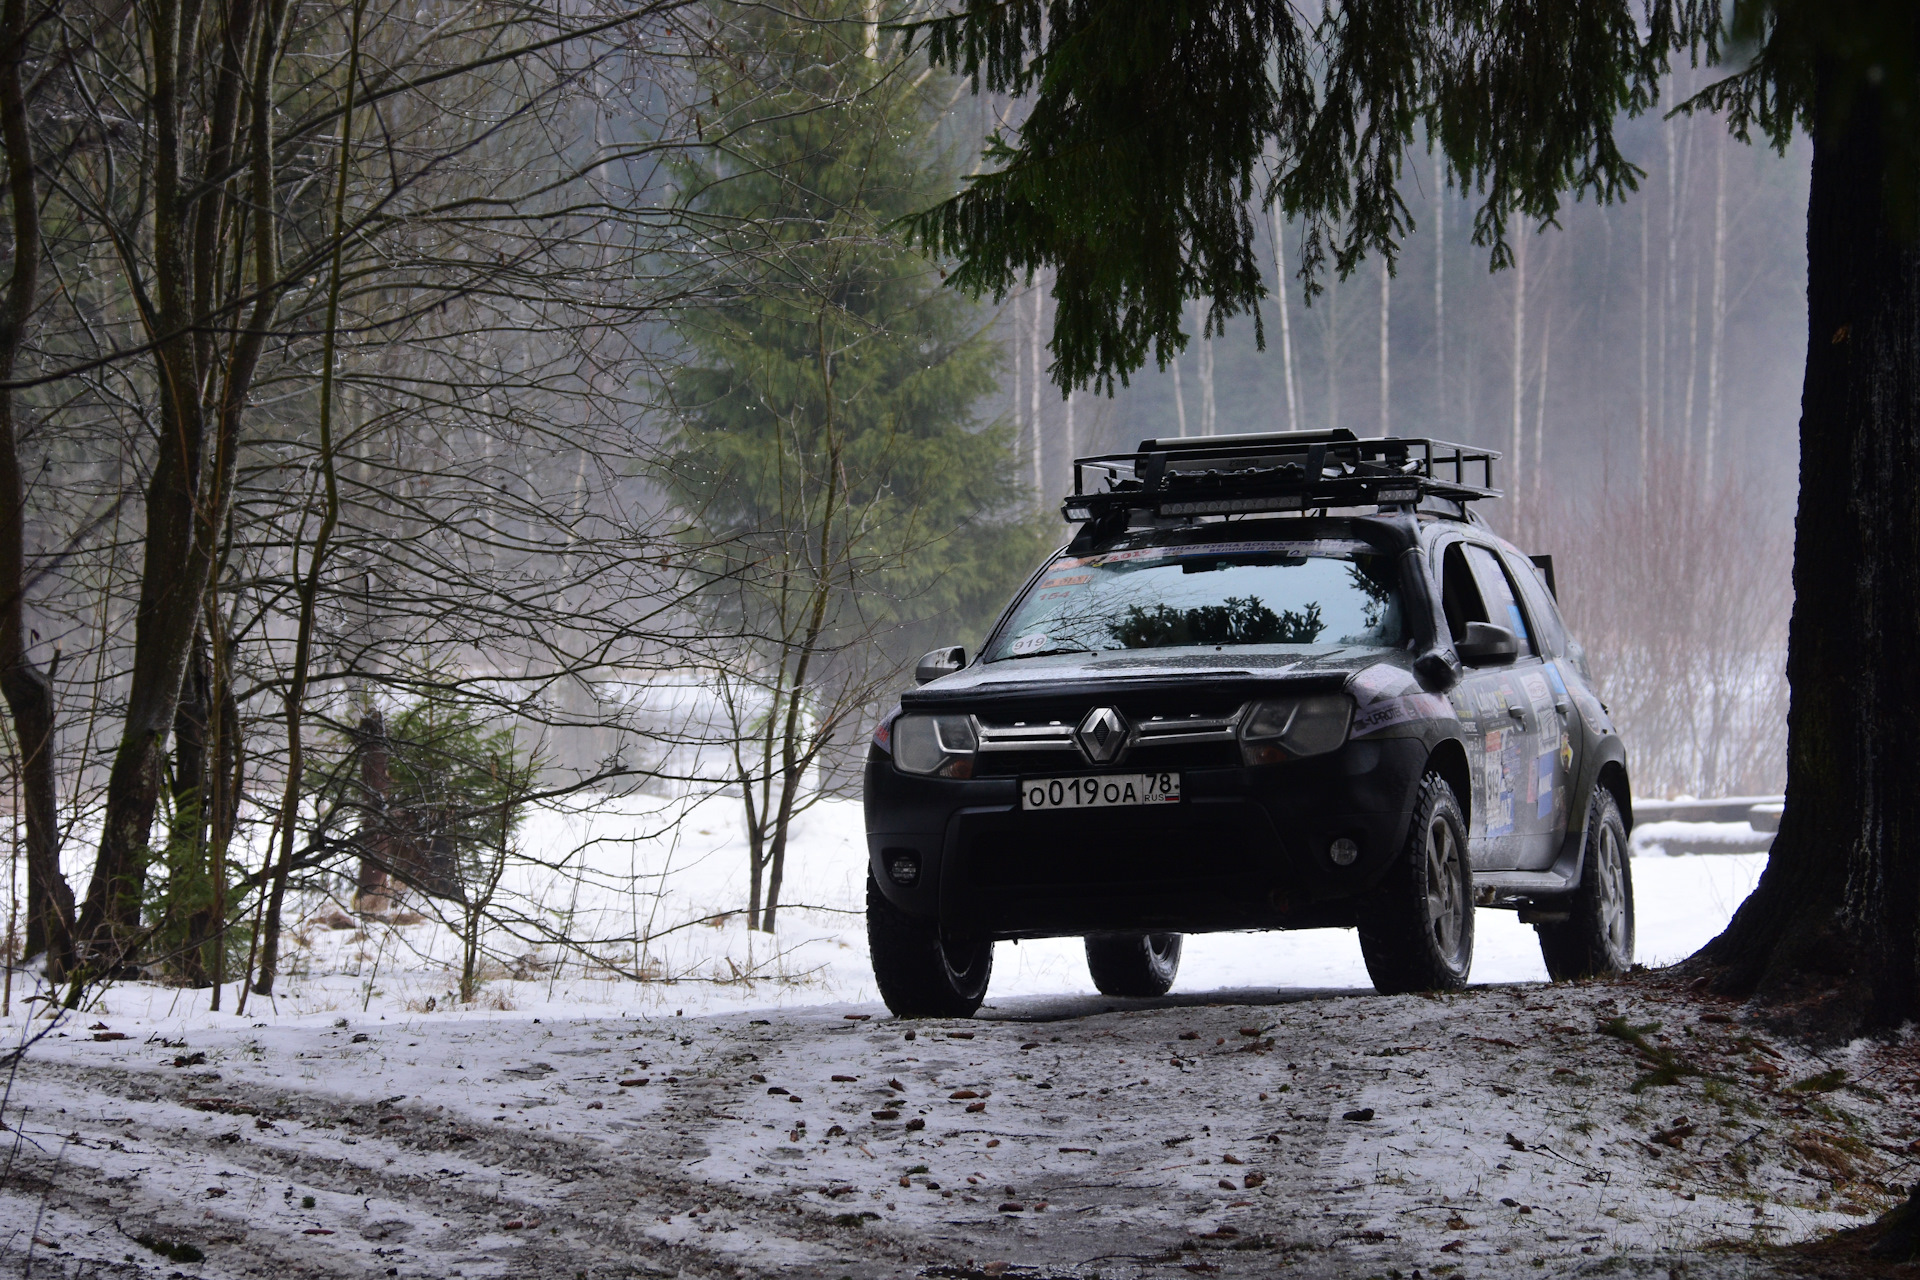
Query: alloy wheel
[[1446, 897], [1613, 893]]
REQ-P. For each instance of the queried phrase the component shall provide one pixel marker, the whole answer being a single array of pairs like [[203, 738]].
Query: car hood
[[1134, 670]]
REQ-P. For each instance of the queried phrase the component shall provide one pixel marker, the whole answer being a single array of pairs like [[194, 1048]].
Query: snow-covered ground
[[747, 1109], [661, 887], [1600, 1129]]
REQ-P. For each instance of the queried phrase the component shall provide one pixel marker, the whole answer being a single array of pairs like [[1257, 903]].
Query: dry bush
[[1681, 597]]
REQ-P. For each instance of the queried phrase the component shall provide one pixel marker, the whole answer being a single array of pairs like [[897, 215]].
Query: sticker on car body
[[1386, 713]]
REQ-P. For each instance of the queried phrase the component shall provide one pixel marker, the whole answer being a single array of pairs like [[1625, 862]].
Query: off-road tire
[[1139, 964], [922, 972], [1596, 939], [1416, 926]]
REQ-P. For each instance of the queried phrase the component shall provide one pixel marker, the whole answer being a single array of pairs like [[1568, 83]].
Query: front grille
[[1194, 738]]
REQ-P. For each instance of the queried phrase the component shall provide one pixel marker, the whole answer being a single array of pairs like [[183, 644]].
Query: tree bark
[[28, 689], [188, 881], [1831, 935], [373, 893]]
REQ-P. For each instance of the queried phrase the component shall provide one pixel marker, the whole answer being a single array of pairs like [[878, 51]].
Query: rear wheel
[[1134, 964], [1597, 936], [922, 971], [1416, 928]]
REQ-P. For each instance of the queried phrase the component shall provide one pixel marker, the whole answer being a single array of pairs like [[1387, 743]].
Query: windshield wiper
[[1043, 653]]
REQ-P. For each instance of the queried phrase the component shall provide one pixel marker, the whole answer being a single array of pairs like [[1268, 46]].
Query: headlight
[[1287, 728], [934, 744]]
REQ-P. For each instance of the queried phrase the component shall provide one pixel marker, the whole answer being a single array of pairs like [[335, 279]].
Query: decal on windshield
[[1028, 644], [1324, 547]]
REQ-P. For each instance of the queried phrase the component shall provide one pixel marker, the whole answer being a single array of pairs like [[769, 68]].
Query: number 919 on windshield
[[1100, 792]]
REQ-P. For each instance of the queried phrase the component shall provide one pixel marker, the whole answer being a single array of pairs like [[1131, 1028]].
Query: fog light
[[1343, 852], [903, 867]]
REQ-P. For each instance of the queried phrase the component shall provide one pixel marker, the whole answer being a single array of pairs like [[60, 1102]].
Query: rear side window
[[1540, 605], [1496, 589]]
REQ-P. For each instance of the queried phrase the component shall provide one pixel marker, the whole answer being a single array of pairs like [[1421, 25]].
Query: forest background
[[423, 417]]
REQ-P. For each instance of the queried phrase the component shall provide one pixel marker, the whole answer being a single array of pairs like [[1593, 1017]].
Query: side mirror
[[944, 662], [1487, 643], [1437, 670]]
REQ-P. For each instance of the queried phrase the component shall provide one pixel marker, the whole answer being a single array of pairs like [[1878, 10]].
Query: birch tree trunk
[[1540, 420], [1646, 279], [1693, 372], [1033, 386], [1386, 373], [1179, 399], [1515, 462], [1278, 225], [1205, 361], [1718, 304], [1439, 287]]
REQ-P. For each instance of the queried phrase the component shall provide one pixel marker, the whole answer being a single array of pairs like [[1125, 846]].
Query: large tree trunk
[[1831, 932], [185, 509], [28, 689]]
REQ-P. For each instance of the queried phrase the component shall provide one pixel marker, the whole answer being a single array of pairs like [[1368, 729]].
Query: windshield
[[1208, 595]]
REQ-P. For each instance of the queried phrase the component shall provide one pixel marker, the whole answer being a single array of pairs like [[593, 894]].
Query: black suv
[[1282, 681]]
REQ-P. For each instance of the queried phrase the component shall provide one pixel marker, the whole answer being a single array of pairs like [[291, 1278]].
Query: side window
[[1459, 597], [1497, 591], [1539, 601]]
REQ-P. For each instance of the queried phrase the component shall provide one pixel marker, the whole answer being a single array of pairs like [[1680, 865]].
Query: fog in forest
[[1640, 369]]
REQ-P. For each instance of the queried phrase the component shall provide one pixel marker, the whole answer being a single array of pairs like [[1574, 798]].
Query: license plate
[[1101, 791]]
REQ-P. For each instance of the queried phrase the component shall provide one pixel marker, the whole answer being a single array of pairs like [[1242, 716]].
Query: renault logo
[[1102, 735]]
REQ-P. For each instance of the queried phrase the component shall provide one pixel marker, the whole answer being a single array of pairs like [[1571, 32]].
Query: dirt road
[[1240, 1134]]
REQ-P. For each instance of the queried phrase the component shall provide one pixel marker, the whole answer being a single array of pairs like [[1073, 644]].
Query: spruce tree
[[828, 448]]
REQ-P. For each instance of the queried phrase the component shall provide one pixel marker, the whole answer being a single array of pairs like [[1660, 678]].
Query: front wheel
[[1596, 938], [1140, 964], [1416, 928], [922, 971]]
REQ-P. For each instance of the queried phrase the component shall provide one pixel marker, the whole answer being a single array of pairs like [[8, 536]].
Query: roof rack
[[1275, 471]]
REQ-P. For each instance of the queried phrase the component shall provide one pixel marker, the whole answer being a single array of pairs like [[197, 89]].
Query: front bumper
[[1246, 848]]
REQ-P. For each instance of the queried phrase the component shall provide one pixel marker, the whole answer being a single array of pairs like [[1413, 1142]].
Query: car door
[[1531, 735], [1497, 741], [1566, 687]]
